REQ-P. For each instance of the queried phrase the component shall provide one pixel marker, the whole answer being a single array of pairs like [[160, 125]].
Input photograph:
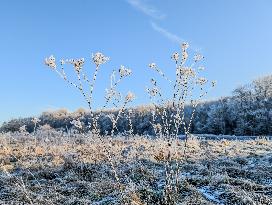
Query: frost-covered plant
[[189, 88], [112, 95], [85, 85]]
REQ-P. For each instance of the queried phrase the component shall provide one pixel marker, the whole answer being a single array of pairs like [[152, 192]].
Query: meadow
[[54, 167]]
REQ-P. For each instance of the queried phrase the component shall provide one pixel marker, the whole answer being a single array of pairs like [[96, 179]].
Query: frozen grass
[[57, 168]]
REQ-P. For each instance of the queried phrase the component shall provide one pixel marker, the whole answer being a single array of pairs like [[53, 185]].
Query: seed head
[[184, 46], [99, 58], [152, 65], [51, 62], [124, 71], [77, 63], [130, 96], [201, 81], [175, 56], [186, 71]]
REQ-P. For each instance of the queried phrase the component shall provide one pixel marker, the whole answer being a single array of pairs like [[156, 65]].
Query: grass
[[56, 168]]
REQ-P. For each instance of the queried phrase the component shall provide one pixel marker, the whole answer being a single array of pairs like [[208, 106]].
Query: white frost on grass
[[210, 195], [105, 200]]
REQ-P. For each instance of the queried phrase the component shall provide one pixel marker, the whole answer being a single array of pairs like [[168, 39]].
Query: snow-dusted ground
[[53, 168]]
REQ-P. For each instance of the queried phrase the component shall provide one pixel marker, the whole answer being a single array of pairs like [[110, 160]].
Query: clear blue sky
[[235, 36]]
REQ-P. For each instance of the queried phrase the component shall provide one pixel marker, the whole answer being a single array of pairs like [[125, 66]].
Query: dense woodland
[[247, 112]]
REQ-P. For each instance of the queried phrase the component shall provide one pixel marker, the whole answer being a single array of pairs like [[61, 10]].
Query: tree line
[[247, 112]]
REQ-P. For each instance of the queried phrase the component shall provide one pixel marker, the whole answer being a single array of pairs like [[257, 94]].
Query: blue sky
[[235, 36]]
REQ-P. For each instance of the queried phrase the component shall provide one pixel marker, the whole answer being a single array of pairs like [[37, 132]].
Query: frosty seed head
[[130, 96], [124, 71], [201, 81], [186, 71], [184, 46], [98, 58], [51, 62], [175, 56], [77, 63], [152, 65]]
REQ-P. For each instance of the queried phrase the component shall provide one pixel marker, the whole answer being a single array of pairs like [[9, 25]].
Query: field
[[52, 167], [137, 156], [170, 103]]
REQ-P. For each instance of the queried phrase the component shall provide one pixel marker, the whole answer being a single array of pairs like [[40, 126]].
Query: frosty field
[[146, 155], [136, 102], [58, 168]]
